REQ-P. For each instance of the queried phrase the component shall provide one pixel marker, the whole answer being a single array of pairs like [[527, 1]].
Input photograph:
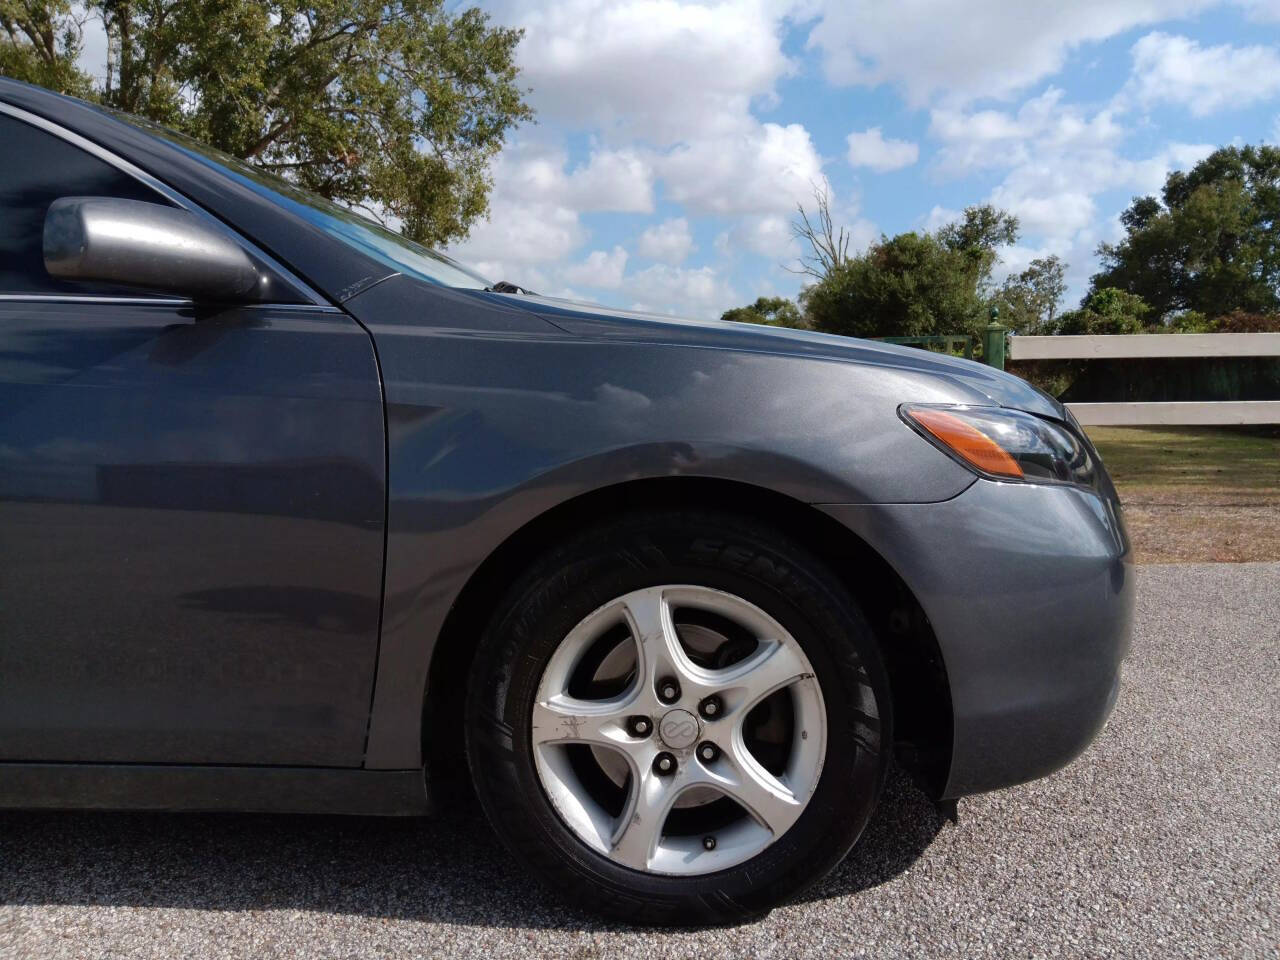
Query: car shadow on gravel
[[444, 870]]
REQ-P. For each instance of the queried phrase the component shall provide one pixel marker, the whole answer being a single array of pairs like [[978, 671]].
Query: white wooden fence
[[1159, 345]]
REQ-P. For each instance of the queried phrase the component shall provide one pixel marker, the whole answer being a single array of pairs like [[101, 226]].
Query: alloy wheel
[[678, 730]]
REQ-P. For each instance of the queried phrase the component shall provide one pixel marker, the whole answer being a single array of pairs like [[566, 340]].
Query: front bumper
[[1029, 590]]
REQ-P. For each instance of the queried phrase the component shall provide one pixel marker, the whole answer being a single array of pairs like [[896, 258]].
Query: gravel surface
[[1163, 840]]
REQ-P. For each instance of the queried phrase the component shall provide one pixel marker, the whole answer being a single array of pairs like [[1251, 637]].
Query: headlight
[[1005, 444]]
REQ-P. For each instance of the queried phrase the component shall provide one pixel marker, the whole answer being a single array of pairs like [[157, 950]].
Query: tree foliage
[[1029, 300], [977, 235], [1109, 310], [394, 107], [770, 311], [40, 44], [1210, 244], [914, 284]]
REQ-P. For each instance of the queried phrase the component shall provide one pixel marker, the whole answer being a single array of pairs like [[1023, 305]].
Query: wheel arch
[[919, 684]]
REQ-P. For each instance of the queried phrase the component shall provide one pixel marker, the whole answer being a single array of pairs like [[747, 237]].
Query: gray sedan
[[298, 516]]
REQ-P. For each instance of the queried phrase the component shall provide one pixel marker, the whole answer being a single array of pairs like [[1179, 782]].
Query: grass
[[1200, 457], [1197, 493]]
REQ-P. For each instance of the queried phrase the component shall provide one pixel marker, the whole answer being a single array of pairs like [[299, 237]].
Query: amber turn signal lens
[[967, 442]]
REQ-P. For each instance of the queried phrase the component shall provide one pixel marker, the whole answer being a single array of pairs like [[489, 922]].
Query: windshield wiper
[[502, 286]]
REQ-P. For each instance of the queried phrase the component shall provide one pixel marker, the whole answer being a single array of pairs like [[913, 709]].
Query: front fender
[[495, 416]]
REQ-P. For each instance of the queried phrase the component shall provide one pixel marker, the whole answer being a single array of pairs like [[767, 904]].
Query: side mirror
[[148, 245]]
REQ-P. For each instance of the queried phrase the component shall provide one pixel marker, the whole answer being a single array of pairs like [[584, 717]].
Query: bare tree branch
[[828, 247]]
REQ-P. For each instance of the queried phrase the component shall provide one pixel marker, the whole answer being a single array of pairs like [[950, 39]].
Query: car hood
[[597, 322]]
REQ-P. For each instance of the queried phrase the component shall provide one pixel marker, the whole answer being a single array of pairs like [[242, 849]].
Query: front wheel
[[678, 718]]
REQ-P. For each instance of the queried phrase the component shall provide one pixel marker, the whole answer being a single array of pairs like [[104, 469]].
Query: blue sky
[[674, 139]]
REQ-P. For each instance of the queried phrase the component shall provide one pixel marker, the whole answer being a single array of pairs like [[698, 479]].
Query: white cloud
[[536, 201], [766, 169], [600, 269], [1147, 175], [870, 149], [689, 291], [1053, 194], [669, 241], [519, 235], [1261, 10], [961, 50], [1045, 200], [983, 139], [666, 89], [673, 98], [660, 70], [1178, 70], [535, 209], [618, 181], [939, 216], [1056, 157], [769, 236], [772, 236], [676, 81]]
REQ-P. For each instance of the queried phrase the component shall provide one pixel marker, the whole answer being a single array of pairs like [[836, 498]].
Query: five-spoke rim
[[684, 726]]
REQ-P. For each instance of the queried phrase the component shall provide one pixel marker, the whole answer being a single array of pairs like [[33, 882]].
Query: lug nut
[[708, 843], [639, 726], [664, 764], [711, 707], [668, 690], [708, 751]]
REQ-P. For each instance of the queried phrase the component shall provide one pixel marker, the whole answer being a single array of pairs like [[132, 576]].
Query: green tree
[[1189, 321], [394, 107], [1029, 300], [1211, 242], [40, 43], [1105, 311], [977, 235], [914, 284], [770, 311]]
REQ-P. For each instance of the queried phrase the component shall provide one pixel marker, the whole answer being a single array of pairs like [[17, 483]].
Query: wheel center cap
[[678, 729]]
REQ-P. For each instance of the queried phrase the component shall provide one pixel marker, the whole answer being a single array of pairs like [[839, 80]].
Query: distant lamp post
[[993, 341]]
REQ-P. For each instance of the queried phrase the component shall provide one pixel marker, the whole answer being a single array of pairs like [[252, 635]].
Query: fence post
[[993, 342]]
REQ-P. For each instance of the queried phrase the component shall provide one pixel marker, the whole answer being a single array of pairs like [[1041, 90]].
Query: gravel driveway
[[1164, 840]]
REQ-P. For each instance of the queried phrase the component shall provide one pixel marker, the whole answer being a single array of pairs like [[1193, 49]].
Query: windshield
[[361, 233]]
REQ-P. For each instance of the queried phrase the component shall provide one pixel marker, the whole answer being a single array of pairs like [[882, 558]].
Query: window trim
[[315, 298], [89, 298]]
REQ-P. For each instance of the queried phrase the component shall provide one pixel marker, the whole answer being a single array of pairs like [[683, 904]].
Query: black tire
[[701, 548]]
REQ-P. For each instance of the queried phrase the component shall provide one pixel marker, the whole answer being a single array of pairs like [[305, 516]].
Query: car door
[[191, 505]]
